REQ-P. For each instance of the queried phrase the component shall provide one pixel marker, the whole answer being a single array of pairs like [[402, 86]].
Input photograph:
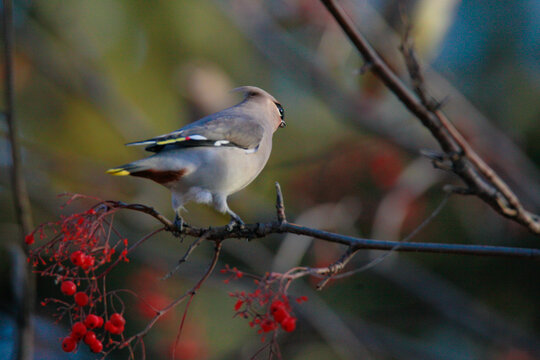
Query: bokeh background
[[93, 75]]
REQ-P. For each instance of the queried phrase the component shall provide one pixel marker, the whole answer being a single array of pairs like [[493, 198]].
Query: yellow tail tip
[[118, 172]]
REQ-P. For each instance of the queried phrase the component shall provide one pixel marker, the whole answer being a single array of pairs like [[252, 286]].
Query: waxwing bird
[[214, 157]]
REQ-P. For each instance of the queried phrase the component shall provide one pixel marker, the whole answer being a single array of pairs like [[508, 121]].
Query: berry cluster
[[235, 274], [268, 307], [84, 330], [79, 251]]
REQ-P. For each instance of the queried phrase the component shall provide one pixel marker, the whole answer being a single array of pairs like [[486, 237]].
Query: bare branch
[[24, 304], [336, 267], [188, 294], [478, 176], [20, 195], [184, 258], [260, 230], [280, 206]]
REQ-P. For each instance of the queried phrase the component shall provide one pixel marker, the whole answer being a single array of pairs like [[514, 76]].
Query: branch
[[280, 226], [24, 285], [478, 176], [20, 196], [188, 294]]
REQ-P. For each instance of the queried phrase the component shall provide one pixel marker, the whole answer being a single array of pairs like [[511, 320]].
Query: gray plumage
[[214, 157]]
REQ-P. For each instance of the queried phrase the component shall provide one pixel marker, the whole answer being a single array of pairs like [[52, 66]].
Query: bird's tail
[[151, 168], [127, 169]]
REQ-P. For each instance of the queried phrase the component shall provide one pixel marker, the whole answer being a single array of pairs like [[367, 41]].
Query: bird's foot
[[178, 225], [235, 222]]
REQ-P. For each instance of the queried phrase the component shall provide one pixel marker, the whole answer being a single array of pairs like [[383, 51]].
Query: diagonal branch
[[466, 163]]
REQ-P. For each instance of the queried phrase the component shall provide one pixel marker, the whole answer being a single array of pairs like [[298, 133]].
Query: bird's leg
[[220, 204], [235, 221], [178, 223]]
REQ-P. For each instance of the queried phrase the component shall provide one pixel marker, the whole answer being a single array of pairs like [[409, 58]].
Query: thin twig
[[336, 267], [328, 273], [468, 165], [181, 327], [190, 293], [184, 258]]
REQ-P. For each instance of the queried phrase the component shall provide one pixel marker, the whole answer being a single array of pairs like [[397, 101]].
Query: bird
[[213, 157]]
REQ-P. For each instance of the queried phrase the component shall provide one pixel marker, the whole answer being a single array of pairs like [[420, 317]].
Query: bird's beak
[[282, 124]]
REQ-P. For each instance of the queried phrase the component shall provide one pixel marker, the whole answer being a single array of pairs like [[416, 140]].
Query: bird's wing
[[213, 131]]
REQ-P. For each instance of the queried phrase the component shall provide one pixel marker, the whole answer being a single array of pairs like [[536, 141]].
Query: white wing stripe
[[197, 137]]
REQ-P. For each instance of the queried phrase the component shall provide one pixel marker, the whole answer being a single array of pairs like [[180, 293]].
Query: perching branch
[[280, 226], [480, 179]]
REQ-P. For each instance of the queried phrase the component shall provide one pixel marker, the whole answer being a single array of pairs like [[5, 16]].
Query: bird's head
[[269, 103]]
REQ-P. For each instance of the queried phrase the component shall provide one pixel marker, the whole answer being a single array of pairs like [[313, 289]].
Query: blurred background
[[94, 75]]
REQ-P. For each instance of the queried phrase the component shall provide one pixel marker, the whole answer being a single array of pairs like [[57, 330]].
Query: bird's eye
[[281, 111]]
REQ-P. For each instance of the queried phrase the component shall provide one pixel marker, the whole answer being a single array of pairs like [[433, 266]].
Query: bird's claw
[[178, 225], [235, 222]]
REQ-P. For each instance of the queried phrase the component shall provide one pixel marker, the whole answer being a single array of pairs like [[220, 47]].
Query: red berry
[[268, 325], [280, 314], [69, 344], [88, 262], [96, 346], [277, 304], [77, 258], [68, 288], [29, 239], [92, 321], [78, 330], [117, 320], [90, 338], [238, 305], [289, 324], [81, 298], [100, 322], [110, 327]]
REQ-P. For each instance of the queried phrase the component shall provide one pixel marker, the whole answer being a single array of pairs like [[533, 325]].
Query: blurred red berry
[[29, 239], [277, 304], [90, 338], [77, 258], [280, 314], [88, 262], [68, 288], [92, 321], [238, 305], [117, 320], [69, 344], [100, 322], [78, 330], [289, 324], [385, 168], [96, 346], [268, 325], [301, 299], [81, 298], [116, 330]]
